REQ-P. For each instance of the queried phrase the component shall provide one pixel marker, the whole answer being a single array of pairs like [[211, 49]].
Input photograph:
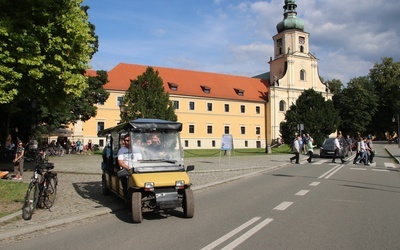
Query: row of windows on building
[[191, 129], [210, 107], [282, 106], [186, 144]]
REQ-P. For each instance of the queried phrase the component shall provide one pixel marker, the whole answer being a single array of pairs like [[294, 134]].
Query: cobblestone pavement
[[79, 192]]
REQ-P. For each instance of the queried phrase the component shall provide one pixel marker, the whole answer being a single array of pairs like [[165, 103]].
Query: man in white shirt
[[126, 159], [337, 148], [296, 150], [125, 155]]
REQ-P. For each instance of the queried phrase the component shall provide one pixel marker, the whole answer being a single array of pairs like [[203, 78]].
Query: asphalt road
[[306, 206]]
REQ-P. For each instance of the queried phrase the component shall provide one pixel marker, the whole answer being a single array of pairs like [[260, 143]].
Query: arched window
[[301, 49], [282, 106], [302, 75]]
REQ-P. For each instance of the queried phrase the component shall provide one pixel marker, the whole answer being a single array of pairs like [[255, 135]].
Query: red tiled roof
[[191, 83], [91, 72]]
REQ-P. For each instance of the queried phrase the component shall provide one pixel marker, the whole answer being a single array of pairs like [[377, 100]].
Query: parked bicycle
[[42, 189]]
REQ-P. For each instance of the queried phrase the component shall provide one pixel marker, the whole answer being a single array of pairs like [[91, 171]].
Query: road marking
[[330, 172], [248, 234], [389, 165], [302, 192], [315, 183], [380, 170], [224, 238], [283, 205], [358, 169], [320, 162]]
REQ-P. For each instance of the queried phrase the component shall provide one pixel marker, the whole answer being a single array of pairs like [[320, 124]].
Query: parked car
[[328, 148]]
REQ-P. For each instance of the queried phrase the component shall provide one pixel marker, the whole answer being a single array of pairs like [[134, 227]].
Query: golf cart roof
[[144, 125]]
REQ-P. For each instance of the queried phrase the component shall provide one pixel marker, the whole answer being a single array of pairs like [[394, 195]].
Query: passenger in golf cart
[[151, 176]]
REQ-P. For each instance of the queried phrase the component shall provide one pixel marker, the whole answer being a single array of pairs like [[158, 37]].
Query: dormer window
[[239, 92], [206, 89], [173, 86]]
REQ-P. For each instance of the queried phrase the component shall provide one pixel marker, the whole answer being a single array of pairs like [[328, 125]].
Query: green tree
[[335, 86], [146, 98], [80, 108], [45, 47], [386, 79], [319, 117], [357, 105]]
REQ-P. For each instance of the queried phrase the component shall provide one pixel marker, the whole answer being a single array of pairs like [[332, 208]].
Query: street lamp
[[122, 110], [396, 117]]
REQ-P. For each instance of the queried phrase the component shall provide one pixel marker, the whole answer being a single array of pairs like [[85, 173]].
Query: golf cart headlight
[[149, 186], [179, 184]]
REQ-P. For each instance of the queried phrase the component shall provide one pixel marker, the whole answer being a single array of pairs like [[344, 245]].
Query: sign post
[[226, 145]]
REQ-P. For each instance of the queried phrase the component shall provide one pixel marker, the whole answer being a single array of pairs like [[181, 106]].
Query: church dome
[[290, 20]]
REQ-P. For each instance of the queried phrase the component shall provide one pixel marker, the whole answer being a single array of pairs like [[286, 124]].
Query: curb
[[54, 223], [392, 155]]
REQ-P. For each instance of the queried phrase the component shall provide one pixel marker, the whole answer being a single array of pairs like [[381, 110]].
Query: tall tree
[[146, 98], [335, 86], [45, 47], [319, 117], [386, 79], [357, 105]]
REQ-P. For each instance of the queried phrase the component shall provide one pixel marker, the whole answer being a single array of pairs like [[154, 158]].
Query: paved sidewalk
[[79, 192]]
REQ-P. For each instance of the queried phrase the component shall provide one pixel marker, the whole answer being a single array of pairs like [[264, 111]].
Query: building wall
[[200, 118]]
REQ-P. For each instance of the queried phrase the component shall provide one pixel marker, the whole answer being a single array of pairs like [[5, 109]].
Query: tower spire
[[290, 20]]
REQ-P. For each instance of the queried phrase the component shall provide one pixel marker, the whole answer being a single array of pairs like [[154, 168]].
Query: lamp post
[[396, 117], [122, 111]]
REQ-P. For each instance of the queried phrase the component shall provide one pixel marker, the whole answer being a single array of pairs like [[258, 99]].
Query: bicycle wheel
[[50, 191], [31, 200]]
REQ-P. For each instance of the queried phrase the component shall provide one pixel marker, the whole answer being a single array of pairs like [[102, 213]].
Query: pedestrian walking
[[358, 151], [296, 150], [310, 148], [338, 150], [349, 142], [371, 148], [19, 161]]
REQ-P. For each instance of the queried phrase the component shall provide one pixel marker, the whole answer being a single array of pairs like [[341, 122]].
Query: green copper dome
[[290, 20]]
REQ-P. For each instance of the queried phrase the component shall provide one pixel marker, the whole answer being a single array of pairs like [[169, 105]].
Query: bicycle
[[42, 191]]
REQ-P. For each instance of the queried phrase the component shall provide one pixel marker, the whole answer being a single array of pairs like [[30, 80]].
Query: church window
[[302, 49], [282, 106], [279, 45], [302, 75]]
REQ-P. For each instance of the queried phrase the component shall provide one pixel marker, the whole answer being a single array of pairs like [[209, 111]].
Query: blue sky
[[235, 37]]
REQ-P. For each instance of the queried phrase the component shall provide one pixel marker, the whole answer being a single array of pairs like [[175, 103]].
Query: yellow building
[[210, 105]]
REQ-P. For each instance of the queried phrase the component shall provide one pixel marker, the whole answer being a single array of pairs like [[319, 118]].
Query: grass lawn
[[189, 153], [12, 196]]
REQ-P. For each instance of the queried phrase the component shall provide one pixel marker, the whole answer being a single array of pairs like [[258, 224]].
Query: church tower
[[293, 69]]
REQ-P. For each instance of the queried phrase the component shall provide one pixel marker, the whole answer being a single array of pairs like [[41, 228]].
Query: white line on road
[[214, 244], [358, 168], [302, 192], [389, 165], [380, 170], [329, 171], [320, 162], [315, 183], [248, 234], [283, 205], [333, 172]]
